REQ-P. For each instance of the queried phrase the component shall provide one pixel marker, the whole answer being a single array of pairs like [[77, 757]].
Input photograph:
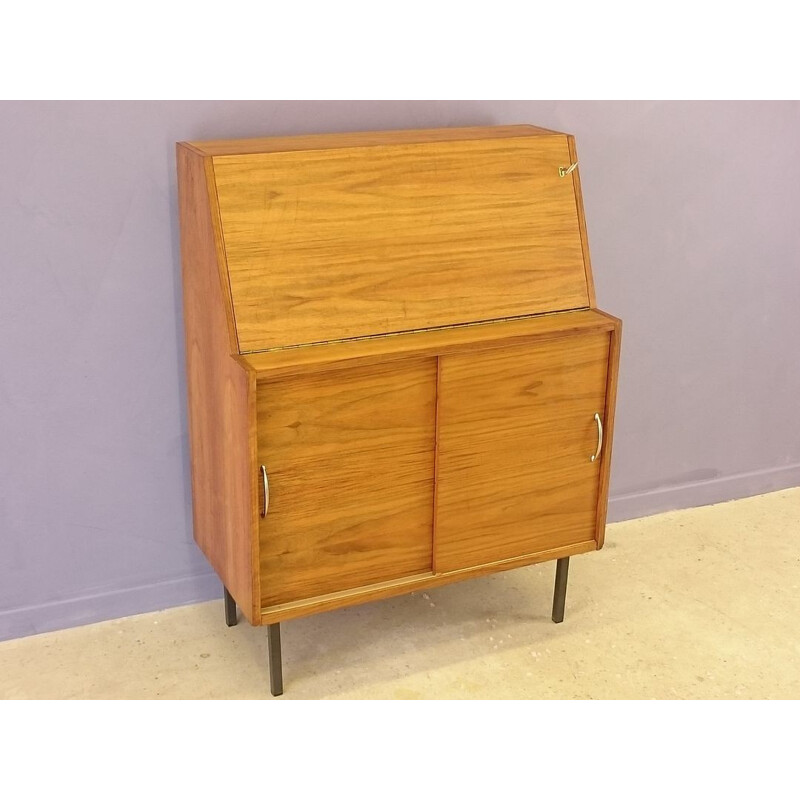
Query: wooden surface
[[221, 258], [416, 583], [608, 428], [350, 461], [364, 238], [341, 243], [476, 336], [221, 397], [516, 432], [326, 141]]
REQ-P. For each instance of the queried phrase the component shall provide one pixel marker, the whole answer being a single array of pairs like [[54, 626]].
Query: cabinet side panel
[[221, 395], [608, 423]]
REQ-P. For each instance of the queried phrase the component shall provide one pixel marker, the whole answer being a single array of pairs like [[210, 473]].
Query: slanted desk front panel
[[332, 244]]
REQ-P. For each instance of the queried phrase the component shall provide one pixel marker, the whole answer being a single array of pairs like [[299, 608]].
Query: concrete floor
[[700, 603]]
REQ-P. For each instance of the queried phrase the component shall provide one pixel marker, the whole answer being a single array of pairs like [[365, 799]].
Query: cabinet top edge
[[432, 342], [326, 141]]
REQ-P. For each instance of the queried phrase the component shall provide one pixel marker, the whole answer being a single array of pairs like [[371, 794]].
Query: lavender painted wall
[[693, 213]]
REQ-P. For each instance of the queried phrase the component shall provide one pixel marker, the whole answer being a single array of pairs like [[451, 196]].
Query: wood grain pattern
[[221, 396], [341, 243], [475, 336], [516, 431], [364, 238], [350, 461], [326, 141], [222, 259], [608, 425], [416, 583]]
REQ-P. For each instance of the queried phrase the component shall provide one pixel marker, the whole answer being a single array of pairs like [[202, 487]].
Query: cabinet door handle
[[266, 490], [599, 438]]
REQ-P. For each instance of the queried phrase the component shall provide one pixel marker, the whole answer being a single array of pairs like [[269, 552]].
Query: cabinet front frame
[[363, 594]]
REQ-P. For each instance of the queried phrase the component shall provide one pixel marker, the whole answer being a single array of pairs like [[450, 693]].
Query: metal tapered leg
[[560, 591], [230, 608], [275, 665]]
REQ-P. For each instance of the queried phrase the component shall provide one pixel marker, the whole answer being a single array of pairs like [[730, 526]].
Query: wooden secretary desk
[[397, 374]]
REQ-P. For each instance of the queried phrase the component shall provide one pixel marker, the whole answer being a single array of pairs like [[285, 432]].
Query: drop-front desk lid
[[341, 236]]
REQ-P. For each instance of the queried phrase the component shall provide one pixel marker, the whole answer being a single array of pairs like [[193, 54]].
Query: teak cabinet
[[397, 374]]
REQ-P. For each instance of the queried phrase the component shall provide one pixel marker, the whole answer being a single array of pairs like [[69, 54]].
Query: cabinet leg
[[275, 665], [230, 608], [560, 591]]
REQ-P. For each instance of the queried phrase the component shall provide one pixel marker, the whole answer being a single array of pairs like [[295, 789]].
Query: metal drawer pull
[[564, 171], [266, 490], [599, 438]]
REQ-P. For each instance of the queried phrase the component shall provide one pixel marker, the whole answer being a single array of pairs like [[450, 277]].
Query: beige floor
[[701, 603]]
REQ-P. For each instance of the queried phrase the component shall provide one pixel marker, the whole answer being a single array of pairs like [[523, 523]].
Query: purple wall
[[693, 211]]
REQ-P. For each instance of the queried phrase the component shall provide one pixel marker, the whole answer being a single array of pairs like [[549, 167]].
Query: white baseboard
[[701, 493], [69, 613]]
